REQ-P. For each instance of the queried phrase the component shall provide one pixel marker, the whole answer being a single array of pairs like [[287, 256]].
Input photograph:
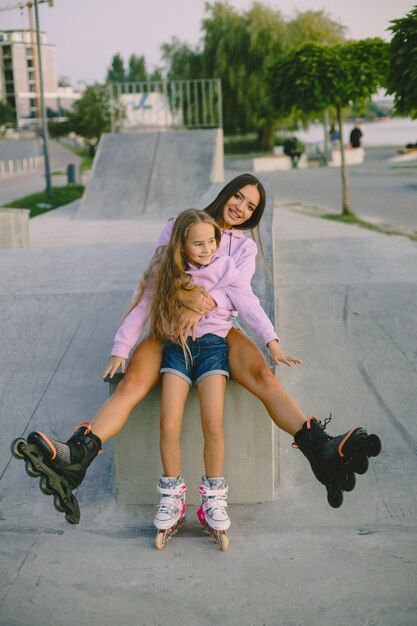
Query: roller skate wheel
[[160, 540], [335, 499], [362, 468], [375, 445], [30, 469], [58, 504], [16, 448], [71, 518], [223, 541], [44, 486], [350, 482]]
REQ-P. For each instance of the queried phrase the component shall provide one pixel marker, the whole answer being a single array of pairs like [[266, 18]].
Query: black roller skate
[[60, 466], [336, 460]]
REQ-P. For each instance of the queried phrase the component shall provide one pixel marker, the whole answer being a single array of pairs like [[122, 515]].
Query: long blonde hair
[[166, 276]]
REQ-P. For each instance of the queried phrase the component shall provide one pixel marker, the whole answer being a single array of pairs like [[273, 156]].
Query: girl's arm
[[132, 326], [249, 307], [245, 264]]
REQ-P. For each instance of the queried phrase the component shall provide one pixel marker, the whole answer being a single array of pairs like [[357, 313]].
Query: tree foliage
[[136, 69], [402, 77], [314, 27], [6, 113], [237, 47], [92, 113], [116, 72]]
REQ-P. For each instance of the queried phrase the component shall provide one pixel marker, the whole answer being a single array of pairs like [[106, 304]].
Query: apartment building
[[19, 77]]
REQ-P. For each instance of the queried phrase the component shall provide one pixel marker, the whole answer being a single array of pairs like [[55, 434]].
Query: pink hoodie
[[227, 279]]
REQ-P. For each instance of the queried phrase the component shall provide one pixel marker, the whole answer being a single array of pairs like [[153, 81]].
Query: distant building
[[19, 79]]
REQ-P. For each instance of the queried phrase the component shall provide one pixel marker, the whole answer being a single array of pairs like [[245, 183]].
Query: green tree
[[182, 62], [136, 69], [93, 112], [237, 47], [6, 113], [314, 27], [402, 76], [314, 78], [116, 72]]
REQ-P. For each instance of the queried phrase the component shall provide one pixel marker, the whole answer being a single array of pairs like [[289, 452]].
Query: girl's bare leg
[[141, 376], [211, 394], [249, 368], [174, 394]]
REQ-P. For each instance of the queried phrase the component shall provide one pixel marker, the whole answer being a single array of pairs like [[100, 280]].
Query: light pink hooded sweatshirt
[[227, 279]]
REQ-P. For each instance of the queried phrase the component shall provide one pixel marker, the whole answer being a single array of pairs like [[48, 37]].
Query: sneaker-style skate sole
[[354, 451], [51, 481], [219, 536], [164, 536]]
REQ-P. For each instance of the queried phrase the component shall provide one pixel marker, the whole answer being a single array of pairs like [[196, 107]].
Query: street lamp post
[[42, 100]]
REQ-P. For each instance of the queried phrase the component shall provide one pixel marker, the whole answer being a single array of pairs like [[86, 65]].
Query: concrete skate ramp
[[158, 173]]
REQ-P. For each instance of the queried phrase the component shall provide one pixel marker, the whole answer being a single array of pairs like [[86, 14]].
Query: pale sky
[[87, 33]]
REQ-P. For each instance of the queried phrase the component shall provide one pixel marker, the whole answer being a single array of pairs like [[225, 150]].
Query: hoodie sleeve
[[245, 263], [164, 236], [132, 327], [246, 303], [134, 323]]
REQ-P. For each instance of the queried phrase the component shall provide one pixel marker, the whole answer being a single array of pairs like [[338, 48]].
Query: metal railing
[[167, 104]]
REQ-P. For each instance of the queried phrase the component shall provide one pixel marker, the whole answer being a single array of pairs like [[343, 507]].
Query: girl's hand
[[113, 365], [279, 356], [189, 321], [197, 301]]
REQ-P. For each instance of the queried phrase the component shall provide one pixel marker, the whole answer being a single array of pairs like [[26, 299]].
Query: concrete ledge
[[14, 228], [353, 156], [277, 162], [250, 468]]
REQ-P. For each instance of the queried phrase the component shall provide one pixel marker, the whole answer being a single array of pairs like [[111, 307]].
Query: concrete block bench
[[353, 156], [277, 161], [14, 228], [251, 463]]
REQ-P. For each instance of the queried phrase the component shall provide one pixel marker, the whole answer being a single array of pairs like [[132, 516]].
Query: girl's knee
[[213, 430], [261, 375], [170, 430]]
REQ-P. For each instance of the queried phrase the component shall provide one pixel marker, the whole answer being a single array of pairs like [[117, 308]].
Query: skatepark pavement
[[346, 302]]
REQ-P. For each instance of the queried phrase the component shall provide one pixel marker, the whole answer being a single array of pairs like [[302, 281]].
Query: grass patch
[[356, 221], [60, 196]]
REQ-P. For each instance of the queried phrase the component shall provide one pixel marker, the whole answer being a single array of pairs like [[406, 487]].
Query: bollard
[[73, 174]]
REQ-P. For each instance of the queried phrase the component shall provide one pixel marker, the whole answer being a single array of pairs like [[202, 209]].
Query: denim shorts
[[208, 356]]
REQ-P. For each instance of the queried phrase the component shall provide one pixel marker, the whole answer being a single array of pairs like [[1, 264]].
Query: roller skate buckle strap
[[166, 491], [213, 492]]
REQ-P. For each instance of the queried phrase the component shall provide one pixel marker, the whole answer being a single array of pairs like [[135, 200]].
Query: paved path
[[380, 192], [346, 302], [21, 185]]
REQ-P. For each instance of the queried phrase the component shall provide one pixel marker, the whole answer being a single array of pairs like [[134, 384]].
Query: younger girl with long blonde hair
[[189, 263]]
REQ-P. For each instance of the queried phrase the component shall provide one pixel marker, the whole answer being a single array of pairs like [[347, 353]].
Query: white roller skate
[[212, 513], [170, 516]]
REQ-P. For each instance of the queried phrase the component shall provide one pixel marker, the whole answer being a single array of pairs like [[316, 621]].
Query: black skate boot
[[335, 460], [60, 466]]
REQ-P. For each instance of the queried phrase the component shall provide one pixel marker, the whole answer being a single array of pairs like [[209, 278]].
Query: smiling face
[[200, 245], [240, 207]]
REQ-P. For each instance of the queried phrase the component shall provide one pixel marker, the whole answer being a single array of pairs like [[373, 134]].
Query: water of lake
[[391, 132]]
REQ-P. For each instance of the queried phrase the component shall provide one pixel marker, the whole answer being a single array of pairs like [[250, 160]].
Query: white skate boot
[[171, 511], [212, 513]]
